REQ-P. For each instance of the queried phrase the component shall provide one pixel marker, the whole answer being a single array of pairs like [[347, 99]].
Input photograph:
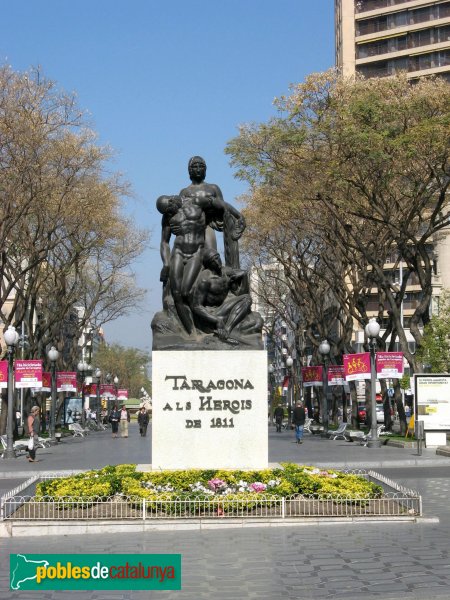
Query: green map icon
[[23, 569]]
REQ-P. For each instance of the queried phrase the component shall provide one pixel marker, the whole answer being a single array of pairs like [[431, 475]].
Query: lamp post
[[11, 338], [324, 350], [108, 378], [271, 369], [372, 330], [83, 367], [98, 375], [116, 385], [53, 355], [289, 363]]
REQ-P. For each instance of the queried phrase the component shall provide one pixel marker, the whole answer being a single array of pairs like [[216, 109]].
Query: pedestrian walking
[[33, 430], [124, 420], [143, 421], [298, 418], [279, 415], [114, 418]]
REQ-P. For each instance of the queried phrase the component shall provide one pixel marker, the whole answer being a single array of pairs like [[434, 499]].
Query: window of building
[[443, 58], [402, 18], [382, 47], [442, 34], [420, 38], [442, 10], [420, 62]]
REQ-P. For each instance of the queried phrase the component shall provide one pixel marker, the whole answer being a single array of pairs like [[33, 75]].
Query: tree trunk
[[344, 405], [400, 407], [308, 402], [354, 399]]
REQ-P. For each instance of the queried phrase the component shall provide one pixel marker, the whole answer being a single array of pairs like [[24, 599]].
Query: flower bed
[[249, 488]]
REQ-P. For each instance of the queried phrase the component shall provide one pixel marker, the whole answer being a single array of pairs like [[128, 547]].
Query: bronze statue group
[[205, 303]]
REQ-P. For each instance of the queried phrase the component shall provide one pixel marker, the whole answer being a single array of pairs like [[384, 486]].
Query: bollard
[[419, 431]]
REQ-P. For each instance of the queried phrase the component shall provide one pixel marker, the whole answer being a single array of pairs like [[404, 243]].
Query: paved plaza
[[358, 560], [99, 449]]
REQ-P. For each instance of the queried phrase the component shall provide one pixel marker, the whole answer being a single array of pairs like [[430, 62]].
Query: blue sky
[[164, 80]]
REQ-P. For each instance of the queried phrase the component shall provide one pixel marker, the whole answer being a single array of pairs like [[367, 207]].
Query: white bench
[[307, 425], [363, 438], [22, 445], [77, 430], [338, 433]]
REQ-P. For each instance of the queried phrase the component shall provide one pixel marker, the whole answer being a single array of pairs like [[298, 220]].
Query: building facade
[[381, 37]]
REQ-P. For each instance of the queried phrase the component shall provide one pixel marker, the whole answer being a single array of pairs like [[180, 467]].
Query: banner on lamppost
[[46, 382], [122, 394], [389, 365], [66, 381], [336, 375], [28, 373], [108, 390], [3, 374], [312, 376], [357, 366]]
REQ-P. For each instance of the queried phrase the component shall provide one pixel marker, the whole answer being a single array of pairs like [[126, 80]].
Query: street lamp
[[271, 369], [289, 363], [53, 355], [11, 338], [324, 350], [82, 367], [98, 374], [372, 330], [116, 385]]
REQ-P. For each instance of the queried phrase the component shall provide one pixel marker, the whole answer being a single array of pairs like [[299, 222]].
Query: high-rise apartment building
[[380, 37]]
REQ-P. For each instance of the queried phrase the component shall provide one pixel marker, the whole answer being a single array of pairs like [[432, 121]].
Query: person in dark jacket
[[298, 418], [143, 421], [114, 418], [278, 413]]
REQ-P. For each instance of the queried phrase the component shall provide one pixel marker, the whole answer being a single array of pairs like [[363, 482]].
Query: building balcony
[[373, 8], [396, 31]]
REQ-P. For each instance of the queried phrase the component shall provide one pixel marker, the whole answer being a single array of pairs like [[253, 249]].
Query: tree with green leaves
[[65, 242], [130, 365], [356, 172], [64, 239]]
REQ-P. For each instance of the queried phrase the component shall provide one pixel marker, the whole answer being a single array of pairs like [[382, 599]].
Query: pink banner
[[389, 365], [336, 375], [357, 366], [46, 382], [108, 390], [3, 374], [122, 394], [312, 376], [28, 373], [66, 381]]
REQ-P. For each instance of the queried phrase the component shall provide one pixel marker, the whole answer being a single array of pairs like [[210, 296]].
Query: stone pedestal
[[209, 410]]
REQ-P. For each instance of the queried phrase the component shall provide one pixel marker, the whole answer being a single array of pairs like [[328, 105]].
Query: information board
[[432, 399]]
